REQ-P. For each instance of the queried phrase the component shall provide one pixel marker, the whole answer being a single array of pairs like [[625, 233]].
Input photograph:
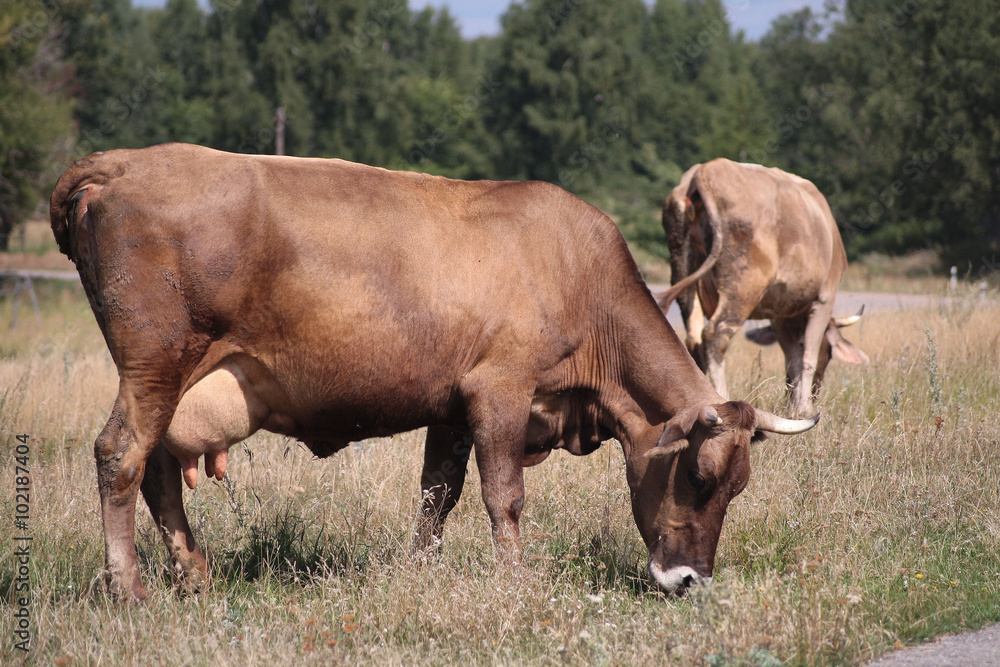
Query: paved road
[[973, 649], [847, 303]]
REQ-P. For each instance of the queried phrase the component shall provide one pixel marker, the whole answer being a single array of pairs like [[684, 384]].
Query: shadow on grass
[[287, 547], [7, 592], [603, 561], [283, 547]]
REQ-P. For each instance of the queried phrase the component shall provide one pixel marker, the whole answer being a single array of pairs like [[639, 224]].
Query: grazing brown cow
[[331, 301], [757, 243]]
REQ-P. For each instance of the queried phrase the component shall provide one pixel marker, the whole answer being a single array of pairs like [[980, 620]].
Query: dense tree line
[[891, 106]]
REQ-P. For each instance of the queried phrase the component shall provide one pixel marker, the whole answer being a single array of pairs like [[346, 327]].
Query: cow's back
[[779, 232], [365, 294]]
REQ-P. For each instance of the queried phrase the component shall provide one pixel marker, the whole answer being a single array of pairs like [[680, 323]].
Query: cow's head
[[682, 486]]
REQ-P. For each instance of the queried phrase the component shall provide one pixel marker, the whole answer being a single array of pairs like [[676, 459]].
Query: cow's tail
[[664, 299], [63, 208], [72, 194]]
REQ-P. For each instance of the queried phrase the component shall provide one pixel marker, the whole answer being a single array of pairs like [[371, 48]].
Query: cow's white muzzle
[[676, 580]]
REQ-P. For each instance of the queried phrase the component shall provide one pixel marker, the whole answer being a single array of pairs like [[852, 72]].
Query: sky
[[482, 17]]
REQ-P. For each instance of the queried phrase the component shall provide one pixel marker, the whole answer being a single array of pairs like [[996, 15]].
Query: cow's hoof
[[191, 579], [108, 585], [426, 546]]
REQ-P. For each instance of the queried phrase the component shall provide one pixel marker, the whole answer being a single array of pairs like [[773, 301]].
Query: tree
[[116, 72], [35, 127], [568, 74], [182, 98], [445, 92], [905, 136]]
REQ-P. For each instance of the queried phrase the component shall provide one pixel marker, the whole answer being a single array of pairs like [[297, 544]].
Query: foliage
[[891, 108], [902, 130], [567, 74]]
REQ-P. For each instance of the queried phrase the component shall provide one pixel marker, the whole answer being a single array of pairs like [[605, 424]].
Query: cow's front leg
[[498, 416], [502, 478], [446, 458], [812, 344], [161, 487]]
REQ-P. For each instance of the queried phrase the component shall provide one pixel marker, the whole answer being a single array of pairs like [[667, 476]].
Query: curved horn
[[709, 416], [775, 424], [841, 322]]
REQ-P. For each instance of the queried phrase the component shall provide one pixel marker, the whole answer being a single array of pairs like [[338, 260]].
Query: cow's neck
[[653, 375]]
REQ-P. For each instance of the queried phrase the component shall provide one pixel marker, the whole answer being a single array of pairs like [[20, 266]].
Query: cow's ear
[[669, 449], [675, 433], [843, 350]]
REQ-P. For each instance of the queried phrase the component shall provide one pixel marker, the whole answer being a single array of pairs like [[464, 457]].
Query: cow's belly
[[320, 406], [786, 300]]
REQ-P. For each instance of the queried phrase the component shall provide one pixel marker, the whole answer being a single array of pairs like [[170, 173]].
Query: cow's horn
[[842, 322], [708, 416], [775, 424]]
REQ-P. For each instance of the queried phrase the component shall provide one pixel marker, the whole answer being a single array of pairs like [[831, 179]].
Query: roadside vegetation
[[878, 529]]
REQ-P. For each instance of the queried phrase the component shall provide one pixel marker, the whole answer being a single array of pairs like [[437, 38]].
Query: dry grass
[[881, 526], [920, 272]]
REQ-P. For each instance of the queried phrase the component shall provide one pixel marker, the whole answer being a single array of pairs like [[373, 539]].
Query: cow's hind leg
[[161, 487], [727, 319], [121, 452], [446, 458]]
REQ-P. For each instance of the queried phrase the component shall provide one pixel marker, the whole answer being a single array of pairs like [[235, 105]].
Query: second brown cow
[[752, 242]]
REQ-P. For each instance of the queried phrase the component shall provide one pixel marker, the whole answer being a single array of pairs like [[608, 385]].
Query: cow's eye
[[697, 481]]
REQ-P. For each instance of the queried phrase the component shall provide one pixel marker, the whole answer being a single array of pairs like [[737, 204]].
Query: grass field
[[879, 528]]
